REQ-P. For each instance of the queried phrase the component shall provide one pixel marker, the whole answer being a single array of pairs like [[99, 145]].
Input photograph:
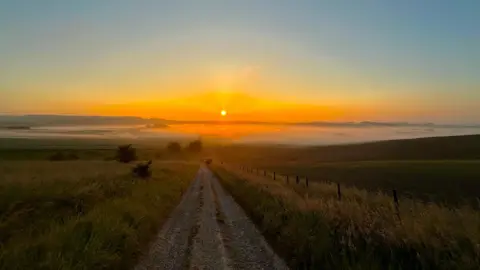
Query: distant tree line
[[194, 146], [127, 153]]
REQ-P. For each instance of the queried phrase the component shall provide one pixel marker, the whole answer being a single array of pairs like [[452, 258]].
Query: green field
[[79, 143], [434, 227], [88, 149], [449, 181], [312, 229], [445, 170], [83, 214], [87, 211], [437, 148]]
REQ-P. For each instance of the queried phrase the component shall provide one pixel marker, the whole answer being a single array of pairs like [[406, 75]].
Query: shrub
[[143, 170], [174, 147], [126, 153], [195, 146]]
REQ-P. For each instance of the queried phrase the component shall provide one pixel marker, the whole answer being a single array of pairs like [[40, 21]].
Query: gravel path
[[208, 230]]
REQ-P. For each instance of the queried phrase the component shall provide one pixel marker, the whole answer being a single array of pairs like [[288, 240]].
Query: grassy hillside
[[93, 154], [435, 169], [83, 214], [88, 149], [448, 181], [312, 229], [437, 148]]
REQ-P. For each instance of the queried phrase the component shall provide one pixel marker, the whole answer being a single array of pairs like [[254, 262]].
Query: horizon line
[[226, 121]]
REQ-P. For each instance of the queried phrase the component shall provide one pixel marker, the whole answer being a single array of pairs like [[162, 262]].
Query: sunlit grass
[[83, 214], [312, 228]]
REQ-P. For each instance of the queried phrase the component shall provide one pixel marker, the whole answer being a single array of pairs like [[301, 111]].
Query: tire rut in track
[[193, 232], [208, 230], [224, 234]]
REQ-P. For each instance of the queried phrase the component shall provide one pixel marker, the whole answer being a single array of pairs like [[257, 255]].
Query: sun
[[223, 113]]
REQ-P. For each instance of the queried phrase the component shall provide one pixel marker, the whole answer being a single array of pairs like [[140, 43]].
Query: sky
[[270, 60]]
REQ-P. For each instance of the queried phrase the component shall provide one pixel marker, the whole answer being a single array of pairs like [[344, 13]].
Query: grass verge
[[316, 231], [83, 214]]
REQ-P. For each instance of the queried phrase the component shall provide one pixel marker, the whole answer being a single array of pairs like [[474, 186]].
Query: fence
[[298, 180]]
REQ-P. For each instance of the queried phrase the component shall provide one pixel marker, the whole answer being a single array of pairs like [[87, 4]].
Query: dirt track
[[208, 230]]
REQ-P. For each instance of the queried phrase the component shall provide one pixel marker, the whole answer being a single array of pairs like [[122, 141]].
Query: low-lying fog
[[242, 133]]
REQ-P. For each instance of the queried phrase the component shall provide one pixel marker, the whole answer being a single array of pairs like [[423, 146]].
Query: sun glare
[[223, 113]]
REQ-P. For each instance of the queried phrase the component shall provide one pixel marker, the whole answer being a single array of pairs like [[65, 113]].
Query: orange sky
[[259, 60], [239, 106]]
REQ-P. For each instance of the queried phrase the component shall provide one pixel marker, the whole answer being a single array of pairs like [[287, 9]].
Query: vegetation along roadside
[[313, 229], [83, 214]]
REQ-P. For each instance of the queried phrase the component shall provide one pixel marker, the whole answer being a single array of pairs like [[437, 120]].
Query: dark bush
[[143, 170], [126, 153], [174, 147], [195, 146]]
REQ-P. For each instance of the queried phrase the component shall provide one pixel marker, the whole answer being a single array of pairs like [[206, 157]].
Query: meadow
[[443, 170], [85, 210], [435, 225], [87, 213], [312, 229]]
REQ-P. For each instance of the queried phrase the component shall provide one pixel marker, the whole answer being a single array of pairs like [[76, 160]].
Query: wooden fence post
[[339, 192], [274, 176], [395, 201], [306, 181], [297, 180], [287, 178]]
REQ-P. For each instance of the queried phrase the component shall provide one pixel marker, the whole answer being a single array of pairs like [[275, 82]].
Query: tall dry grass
[[361, 231], [83, 214]]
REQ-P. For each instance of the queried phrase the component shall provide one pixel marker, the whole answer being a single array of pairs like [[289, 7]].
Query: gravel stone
[[209, 230]]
